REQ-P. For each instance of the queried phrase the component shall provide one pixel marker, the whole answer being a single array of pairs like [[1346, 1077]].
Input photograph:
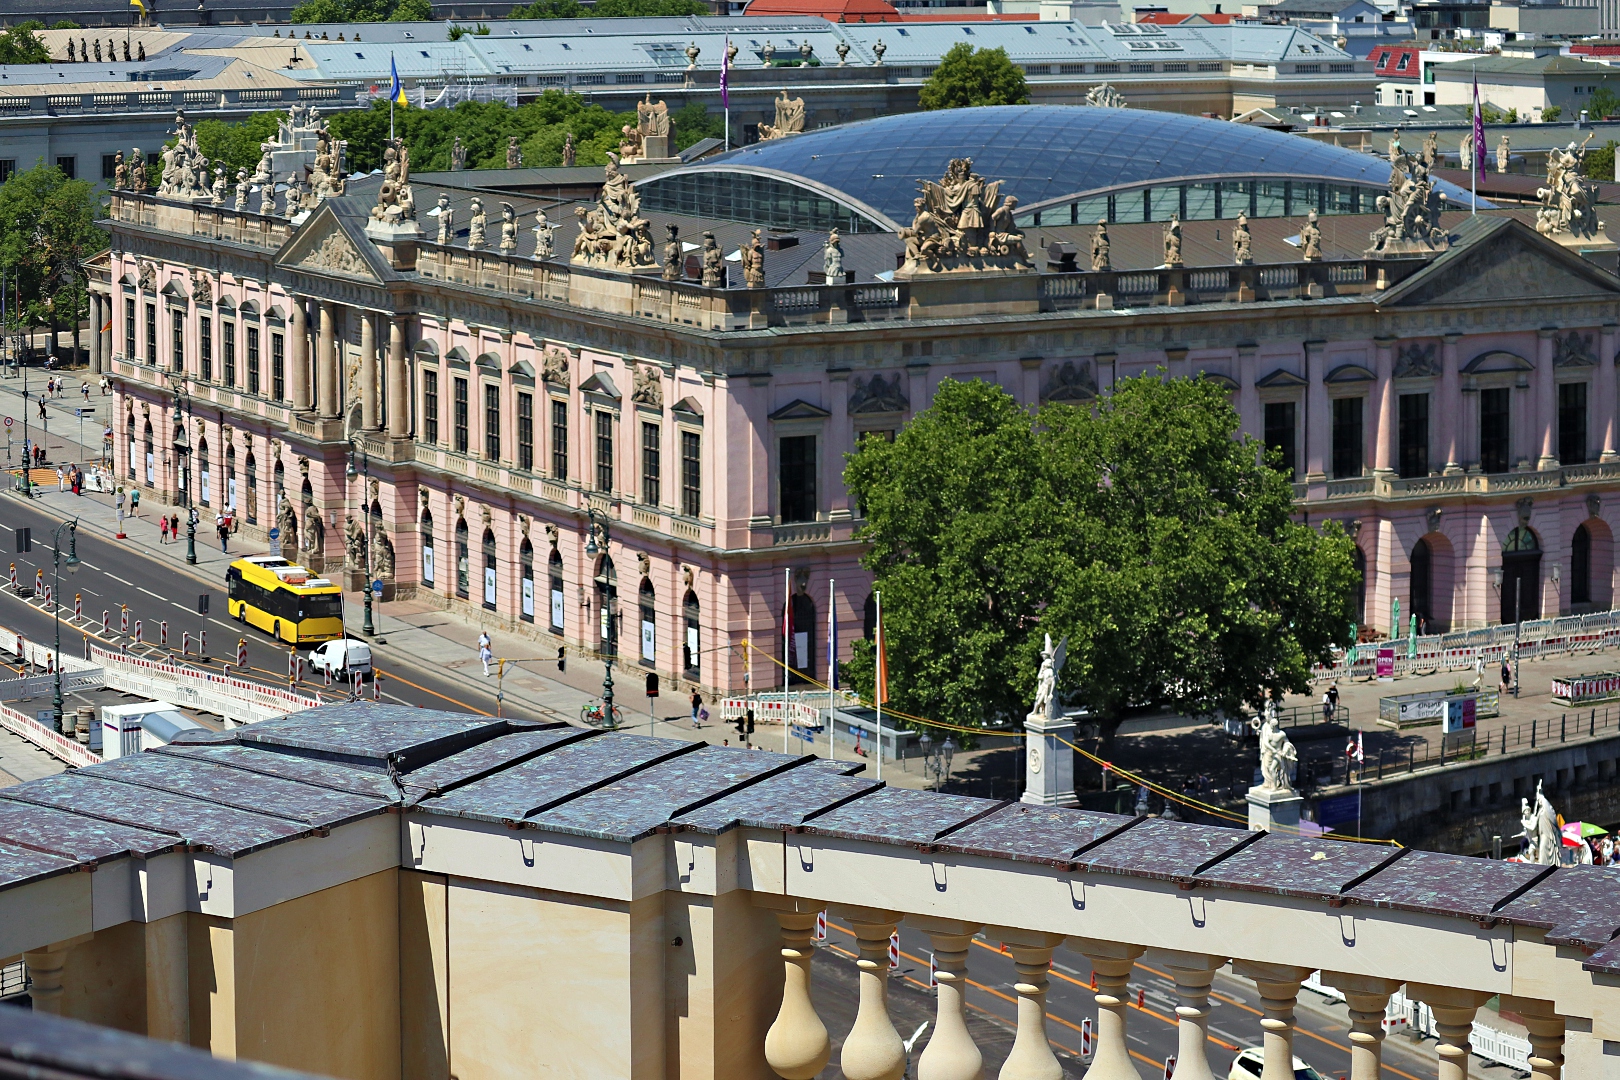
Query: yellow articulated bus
[[284, 599]]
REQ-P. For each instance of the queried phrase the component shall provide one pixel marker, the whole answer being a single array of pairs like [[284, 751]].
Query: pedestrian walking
[[1333, 697], [135, 502], [485, 653], [223, 530], [1327, 708], [163, 530], [174, 527], [106, 386], [84, 388], [1507, 675], [697, 707], [61, 479], [42, 415]]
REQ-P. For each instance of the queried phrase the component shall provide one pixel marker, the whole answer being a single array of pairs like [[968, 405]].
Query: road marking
[[435, 693], [154, 595], [115, 577], [89, 566]]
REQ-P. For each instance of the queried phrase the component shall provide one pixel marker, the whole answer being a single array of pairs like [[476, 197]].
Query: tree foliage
[[21, 44], [968, 77], [1143, 528], [1603, 103], [607, 9], [47, 229], [541, 127], [1599, 164], [339, 11], [236, 145]]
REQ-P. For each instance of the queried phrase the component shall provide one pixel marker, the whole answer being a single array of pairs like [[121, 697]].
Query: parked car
[[1249, 1063], [343, 658]]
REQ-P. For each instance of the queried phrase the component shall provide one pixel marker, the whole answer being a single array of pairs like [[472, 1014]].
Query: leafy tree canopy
[[968, 77], [65, 24], [21, 44], [541, 127], [548, 9], [607, 9], [1603, 103], [337, 11], [1143, 528], [1600, 162], [47, 228]]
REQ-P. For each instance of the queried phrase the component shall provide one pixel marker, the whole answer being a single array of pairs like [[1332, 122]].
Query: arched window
[[279, 475], [205, 490], [425, 530], [1580, 567], [463, 571], [230, 478], [1521, 576], [649, 624], [607, 604], [1421, 600], [691, 654], [132, 450], [801, 644], [489, 569], [251, 469], [526, 580], [556, 568], [151, 460]]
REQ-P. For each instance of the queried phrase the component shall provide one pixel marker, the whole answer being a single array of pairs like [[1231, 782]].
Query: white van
[[343, 658]]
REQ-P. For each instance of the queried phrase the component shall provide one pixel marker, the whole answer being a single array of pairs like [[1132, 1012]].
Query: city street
[[1234, 1023]]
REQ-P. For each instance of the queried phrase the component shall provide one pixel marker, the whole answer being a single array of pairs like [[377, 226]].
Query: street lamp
[[366, 626], [56, 602], [1497, 577], [610, 625], [937, 759]]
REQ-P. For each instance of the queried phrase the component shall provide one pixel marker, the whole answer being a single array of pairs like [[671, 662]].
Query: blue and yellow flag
[[139, 4], [396, 92]]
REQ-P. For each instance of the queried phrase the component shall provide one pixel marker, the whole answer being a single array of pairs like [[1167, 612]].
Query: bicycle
[[592, 713]]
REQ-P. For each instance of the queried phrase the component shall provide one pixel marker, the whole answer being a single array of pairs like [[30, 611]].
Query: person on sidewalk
[[174, 527], [697, 707], [163, 530], [134, 502], [486, 655], [1507, 676], [223, 530], [61, 479], [1333, 699], [42, 415], [84, 388]]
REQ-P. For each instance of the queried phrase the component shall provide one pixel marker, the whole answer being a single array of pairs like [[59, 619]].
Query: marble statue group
[[614, 235], [1277, 755], [1568, 198], [958, 225]]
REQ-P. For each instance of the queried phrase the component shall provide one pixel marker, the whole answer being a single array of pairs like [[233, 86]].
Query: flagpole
[[877, 684], [832, 667], [787, 649], [1475, 133]]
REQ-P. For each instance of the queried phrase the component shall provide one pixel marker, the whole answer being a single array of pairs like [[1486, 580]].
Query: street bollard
[[48, 600], [106, 623], [376, 687], [163, 633], [39, 582], [241, 653], [138, 628], [123, 618], [14, 585], [78, 606], [202, 644], [185, 643]]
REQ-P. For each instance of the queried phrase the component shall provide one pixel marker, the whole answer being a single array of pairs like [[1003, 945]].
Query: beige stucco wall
[[424, 976], [723, 985], [103, 979]]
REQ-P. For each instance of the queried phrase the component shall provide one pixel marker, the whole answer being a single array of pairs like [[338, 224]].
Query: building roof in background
[[1041, 152], [1524, 66], [1386, 61], [869, 11]]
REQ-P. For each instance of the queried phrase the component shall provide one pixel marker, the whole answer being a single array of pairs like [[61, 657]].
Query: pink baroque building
[[647, 465]]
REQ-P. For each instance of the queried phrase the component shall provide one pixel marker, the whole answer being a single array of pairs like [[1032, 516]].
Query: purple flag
[[1479, 135], [725, 75]]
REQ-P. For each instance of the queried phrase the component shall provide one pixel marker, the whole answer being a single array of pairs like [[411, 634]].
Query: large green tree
[[340, 11], [47, 231], [1143, 528], [21, 45], [968, 77]]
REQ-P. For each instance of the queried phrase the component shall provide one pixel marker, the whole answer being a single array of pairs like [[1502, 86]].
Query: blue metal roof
[[1045, 152]]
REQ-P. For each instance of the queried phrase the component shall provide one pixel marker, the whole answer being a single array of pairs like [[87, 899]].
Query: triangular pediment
[[325, 246], [1501, 260], [799, 409]]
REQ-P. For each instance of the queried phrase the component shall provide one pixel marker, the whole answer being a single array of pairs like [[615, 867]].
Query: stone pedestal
[[1271, 809], [1049, 769]]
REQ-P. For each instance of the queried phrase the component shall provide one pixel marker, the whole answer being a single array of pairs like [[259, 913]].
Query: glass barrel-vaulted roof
[[1041, 152]]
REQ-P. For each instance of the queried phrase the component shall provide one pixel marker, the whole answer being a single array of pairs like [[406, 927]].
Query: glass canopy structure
[[1065, 164]]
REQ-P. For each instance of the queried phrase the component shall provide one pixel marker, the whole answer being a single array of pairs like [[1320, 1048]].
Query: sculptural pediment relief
[[1499, 263], [877, 395], [1071, 381], [554, 360], [799, 409], [1573, 349], [1417, 360], [323, 245]]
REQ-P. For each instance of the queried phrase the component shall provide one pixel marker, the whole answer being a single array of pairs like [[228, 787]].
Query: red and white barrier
[[48, 599], [123, 618], [138, 627], [106, 623], [78, 606], [202, 644], [39, 582], [894, 950], [163, 633], [14, 585], [241, 653], [185, 643]]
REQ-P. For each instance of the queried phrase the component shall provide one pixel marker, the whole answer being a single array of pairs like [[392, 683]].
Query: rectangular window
[[177, 339], [430, 405], [129, 329], [253, 359], [559, 440], [796, 475], [604, 451], [278, 367], [525, 431], [1280, 432], [460, 391], [227, 344], [69, 167], [1572, 423], [492, 422], [691, 476], [652, 463], [1495, 451], [109, 166], [205, 347], [1347, 436], [1414, 434]]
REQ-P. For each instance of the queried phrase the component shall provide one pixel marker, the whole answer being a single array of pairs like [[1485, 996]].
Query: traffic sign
[[275, 534], [377, 586], [9, 421], [78, 413]]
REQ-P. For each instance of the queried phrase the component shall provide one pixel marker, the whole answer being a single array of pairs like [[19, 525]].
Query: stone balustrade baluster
[[1111, 964], [45, 979], [1031, 1057], [1454, 1011], [951, 1053], [797, 1046], [1368, 997], [1279, 989], [873, 1050], [1546, 1029], [1193, 973]]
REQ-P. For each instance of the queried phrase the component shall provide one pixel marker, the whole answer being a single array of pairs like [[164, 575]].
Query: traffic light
[[25, 540], [202, 603], [652, 685], [562, 659], [750, 718]]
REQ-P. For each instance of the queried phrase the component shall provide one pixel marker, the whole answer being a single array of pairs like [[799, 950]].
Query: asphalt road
[[114, 573], [1234, 1023]]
